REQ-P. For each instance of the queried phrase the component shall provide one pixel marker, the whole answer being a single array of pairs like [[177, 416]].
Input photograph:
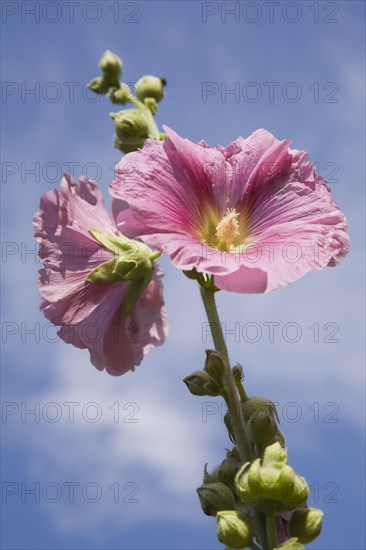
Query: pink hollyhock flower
[[254, 214], [89, 313]]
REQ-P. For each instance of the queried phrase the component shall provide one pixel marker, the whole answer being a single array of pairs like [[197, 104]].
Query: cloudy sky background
[[143, 465]]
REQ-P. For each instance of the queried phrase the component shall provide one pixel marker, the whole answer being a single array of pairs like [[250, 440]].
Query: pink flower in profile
[[74, 255], [255, 214]]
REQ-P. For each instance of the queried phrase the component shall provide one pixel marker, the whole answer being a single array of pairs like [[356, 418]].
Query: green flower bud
[[150, 86], [269, 483], [131, 129], [227, 472], [233, 529], [260, 416], [133, 261], [99, 85], [255, 405], [306, 524], [215, 365], [111, 65], [199, 383], [121, 94], [262, 428], [215, 497], [290, 544]]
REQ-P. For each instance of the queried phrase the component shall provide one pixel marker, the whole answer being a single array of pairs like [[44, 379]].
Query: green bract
[[133, 262], [215, 497]]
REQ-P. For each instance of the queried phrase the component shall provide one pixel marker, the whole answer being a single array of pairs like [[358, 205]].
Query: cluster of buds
[[132, 126], [234, 492], [208, 381]]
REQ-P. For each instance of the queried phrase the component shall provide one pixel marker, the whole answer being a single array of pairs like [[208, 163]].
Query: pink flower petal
[[89, 313], [290, 224]]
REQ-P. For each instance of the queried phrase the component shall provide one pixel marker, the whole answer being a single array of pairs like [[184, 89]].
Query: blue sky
[[103, 479]]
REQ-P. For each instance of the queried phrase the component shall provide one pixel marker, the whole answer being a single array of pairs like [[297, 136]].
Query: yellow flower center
[[228, 230]]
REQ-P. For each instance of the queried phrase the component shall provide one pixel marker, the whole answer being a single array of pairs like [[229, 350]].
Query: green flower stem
[[271, 529], [231, 395], [231, 398]]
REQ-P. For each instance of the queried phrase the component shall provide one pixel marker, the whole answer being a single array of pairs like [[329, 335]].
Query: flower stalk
[[230, 391]]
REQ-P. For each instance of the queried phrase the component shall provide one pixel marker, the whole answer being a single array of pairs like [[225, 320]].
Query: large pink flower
[[89, 313], [254, 214]]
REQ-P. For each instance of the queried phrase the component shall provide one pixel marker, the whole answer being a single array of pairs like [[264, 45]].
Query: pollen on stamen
[[227, 230]]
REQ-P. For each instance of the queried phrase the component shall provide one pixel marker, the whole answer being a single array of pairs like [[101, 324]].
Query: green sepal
[[112, 242], [111, 271], [133, 261], [135, 290], [205, 280]]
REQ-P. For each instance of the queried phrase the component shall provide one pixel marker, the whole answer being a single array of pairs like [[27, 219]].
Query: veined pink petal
[[179, 192], [88, 312], [116, 345]]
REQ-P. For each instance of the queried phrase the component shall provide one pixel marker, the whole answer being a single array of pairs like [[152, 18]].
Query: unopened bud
[[99, 85], [269, 483], [150, 86], [111, 65], [215, 497], [215, 365], [198, 383], [306, 524], [254, 405], [262, 428], [260, 415], [131, 129], [233, 529], [121, 94]]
